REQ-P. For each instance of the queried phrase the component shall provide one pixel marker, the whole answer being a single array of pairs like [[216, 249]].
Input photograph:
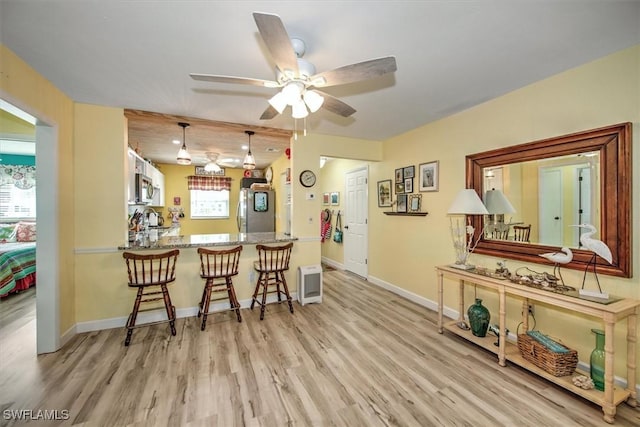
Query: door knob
[[557, 217]]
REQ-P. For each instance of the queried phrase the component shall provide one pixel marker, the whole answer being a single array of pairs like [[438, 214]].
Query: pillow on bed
[[26, 232], [7, 233]]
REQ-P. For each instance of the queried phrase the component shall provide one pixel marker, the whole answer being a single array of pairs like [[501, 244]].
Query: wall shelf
[[406, 213]]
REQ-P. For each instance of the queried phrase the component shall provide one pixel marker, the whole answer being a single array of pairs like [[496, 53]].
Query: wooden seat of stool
[[272, 262], [151, 274], [217, 267]]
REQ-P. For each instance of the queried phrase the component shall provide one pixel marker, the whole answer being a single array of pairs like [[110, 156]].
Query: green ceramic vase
[[597, 360], [479, 317]]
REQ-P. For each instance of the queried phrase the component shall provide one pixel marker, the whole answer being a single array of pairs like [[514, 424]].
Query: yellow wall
[[26, 89], [12, 125], [601, 93]]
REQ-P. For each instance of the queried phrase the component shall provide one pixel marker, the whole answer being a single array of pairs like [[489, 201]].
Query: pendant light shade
[[184, 158], [249, 160]]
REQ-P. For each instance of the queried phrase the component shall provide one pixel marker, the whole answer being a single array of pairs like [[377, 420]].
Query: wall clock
[[307, 178]]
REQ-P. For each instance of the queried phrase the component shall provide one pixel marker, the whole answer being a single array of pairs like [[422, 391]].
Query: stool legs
[[169, 308], [205, 302], [265, 280]]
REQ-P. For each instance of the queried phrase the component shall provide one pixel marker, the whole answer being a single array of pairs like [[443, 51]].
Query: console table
[[609, 314]]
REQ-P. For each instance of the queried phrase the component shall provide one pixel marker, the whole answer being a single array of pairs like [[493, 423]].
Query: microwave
[[144, 189]]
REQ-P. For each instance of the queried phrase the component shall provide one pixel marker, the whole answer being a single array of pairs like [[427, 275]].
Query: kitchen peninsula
[[147, 240], [186, 292]]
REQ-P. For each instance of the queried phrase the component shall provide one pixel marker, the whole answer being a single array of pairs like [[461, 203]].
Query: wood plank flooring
[[364, 357]]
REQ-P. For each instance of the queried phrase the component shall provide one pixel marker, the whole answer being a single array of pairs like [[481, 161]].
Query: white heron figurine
[[563, 257], [598, 247]]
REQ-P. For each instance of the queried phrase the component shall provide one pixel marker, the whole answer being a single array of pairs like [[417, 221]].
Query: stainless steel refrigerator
[[256, 211]]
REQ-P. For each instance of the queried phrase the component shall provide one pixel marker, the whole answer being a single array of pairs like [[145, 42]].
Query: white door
[[550, 197], [355, 220]]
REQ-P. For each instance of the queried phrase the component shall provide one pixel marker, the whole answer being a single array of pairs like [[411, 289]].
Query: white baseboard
[[453, 314], [332, 263], [160, 314]]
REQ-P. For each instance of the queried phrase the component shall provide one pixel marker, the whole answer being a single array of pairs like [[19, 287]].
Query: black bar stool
[[272, 262], [151, 274], [217, 267]]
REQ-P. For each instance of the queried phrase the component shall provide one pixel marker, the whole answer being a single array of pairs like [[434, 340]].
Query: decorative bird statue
[[598, 247], [563, 257]]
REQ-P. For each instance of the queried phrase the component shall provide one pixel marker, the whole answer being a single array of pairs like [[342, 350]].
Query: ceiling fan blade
[[269, 113], [278, 42], [232, 79], [333, 104], [355, 72]]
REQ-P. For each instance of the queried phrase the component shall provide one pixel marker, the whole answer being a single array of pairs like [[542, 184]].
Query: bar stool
[[151, 274], [220, 266], [272, 262]]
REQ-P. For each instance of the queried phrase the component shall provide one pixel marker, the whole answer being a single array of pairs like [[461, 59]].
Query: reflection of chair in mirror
[[500, 233], [521, 233]]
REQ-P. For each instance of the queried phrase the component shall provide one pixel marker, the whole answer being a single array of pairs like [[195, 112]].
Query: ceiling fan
[[297, 77]]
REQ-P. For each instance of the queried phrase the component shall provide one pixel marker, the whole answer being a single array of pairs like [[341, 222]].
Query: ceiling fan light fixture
[[279, 102], [183, 158], [249, 160], [299, 110], [293, 92], [212, 167], [313, 100]]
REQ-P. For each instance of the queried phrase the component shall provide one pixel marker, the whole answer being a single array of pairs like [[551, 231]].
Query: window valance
[[21, 176], [216, 183]]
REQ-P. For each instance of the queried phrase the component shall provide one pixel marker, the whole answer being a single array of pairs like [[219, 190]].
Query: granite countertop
[[149, 241]]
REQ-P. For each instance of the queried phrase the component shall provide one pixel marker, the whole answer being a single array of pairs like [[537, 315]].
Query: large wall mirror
[[546, 186]]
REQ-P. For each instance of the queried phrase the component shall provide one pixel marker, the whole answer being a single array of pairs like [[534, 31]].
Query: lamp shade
[[183, 158], [467, 202], [313, 100], [497, 203]]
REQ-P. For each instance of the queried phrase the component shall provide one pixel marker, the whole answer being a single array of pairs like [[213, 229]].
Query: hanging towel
[[325, 225]]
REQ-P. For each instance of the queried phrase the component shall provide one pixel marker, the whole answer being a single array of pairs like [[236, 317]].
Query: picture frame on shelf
[[200, 171], [402, 203], [399, 187], [408, 185], [409, 172], [384, 193], [399, 175], [415, 202], [326, 199], [335, 198], [428, 174]]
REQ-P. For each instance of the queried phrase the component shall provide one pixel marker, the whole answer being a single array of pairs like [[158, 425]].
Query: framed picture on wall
[[335, 198], [326, 198], [429, 176], [415, 202], [409, 172], [399, 187], [399, 175], [408, 185], [384, 193]]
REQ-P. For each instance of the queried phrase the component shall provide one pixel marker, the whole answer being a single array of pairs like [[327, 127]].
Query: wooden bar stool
[[217, 267], [272, 262], [151, 274]]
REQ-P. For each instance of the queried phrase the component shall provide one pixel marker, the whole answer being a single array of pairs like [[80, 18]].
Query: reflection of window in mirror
[[549, 195]]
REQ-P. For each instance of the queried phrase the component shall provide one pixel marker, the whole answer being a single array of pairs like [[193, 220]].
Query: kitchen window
[[209, 204]]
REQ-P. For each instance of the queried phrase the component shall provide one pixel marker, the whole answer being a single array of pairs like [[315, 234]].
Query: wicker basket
[[557, 364]]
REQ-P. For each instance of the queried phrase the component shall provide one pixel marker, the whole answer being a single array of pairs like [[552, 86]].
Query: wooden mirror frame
[[614, 145]]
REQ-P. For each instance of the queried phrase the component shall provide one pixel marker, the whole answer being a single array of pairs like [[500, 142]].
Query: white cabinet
[[157, 178], [137, 164]]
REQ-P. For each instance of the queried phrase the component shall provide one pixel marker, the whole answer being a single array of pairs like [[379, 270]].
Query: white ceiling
[[451, 55]]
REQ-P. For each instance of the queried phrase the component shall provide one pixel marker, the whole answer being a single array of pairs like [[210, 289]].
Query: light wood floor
[[364, 357]]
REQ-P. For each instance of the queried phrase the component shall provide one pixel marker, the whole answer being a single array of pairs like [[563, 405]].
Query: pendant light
[[249, 160], [184, 158]]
